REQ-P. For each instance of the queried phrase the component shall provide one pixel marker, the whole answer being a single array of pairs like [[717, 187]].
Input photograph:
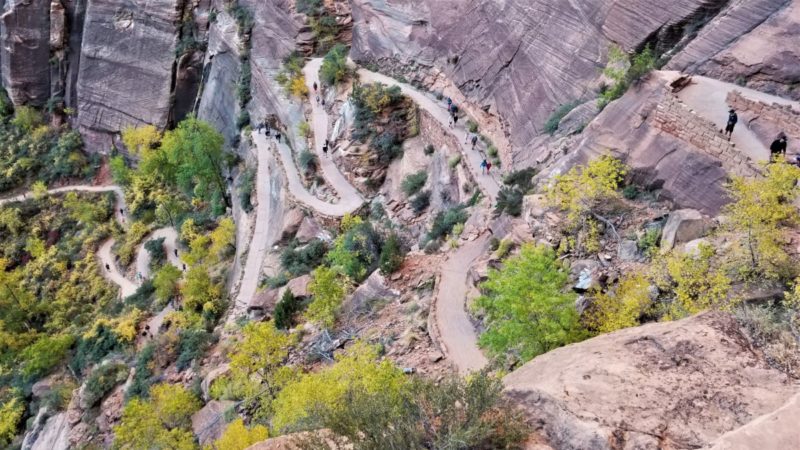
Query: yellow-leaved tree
[[580, 193], [329, 289], [695, 281], [239, 437], [622, 307], [140, 139], [761, 210], [358, 369], [162, 422]]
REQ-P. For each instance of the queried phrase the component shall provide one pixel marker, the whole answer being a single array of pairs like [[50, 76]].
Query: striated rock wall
[[753, 42], [25, 51], [676, 385], [126, 66], [519, 59], [677, 119]]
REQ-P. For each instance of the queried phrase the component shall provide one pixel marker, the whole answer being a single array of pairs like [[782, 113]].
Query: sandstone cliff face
[[673, 385], [752, 42], [126, 66], [25, 51], [521, 59]]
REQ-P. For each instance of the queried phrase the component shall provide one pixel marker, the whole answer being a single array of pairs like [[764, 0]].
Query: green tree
[[334, 66], [526, 310], [285, 310], [165, 282], [120, 172], [391, 255], [44, 354], [328, 289], [198, 290]]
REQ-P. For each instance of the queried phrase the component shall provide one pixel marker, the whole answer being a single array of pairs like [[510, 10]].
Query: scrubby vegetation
[[383, 120], [584, 193], [624, 71], [291, 76], [334, 67], [551, 126], [517, 185], [31, 150]]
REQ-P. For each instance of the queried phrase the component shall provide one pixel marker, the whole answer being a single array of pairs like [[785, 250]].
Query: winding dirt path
[[108, 263]]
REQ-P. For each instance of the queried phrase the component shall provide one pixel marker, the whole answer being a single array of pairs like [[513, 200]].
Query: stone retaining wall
[[674, 117], [784, 117]]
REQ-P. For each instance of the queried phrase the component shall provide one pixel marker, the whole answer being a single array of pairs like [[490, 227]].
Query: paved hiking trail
[[707, 97], [488, 184], [454, 327], [260, 240], [348, 194]]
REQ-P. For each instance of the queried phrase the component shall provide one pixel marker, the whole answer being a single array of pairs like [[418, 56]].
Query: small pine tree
[[285, 309]]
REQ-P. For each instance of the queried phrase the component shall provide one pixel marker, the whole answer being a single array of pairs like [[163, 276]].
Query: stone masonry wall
[[674, 117], [784, 117]]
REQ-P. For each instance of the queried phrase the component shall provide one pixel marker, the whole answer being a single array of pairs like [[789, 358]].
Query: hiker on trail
[[121, 212], [778, 146], [474, 140], [488, 167], [455, 119], [732, 119], [323, 102], [278, 135], [318, 99], [108, 268], [176, 252], [325, 148], [184, 267], [484, 165], [315, 86], [449, 103]]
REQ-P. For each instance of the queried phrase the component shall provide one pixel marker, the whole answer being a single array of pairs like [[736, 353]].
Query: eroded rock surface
[[662, 385], [25, 51], [126, 67]]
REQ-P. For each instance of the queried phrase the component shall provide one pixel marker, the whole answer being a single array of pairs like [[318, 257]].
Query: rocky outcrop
[[25, 51], [690, 173], [672, 385], [751, 42], [54, 435], [126, 67], [774, 431]]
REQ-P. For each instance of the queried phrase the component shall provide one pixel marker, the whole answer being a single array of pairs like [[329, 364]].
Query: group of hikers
[[776, 149]]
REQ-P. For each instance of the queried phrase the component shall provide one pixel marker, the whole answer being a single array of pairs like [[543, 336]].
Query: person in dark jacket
[[778, 146], [732, 120]]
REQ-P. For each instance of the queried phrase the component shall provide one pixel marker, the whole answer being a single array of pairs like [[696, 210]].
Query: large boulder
[[209, 423], [684, 225], [662, 385]]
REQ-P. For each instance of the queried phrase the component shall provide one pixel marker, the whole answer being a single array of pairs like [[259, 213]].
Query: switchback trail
[[487, 183]]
